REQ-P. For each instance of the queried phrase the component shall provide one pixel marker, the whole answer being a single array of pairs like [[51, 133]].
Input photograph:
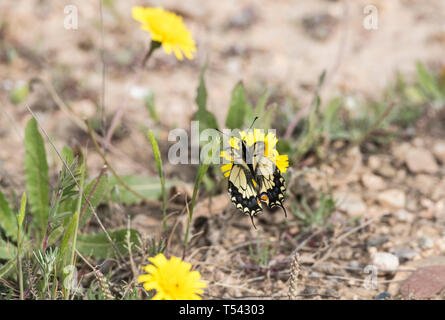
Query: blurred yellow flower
[[166, 28], [172, 279]]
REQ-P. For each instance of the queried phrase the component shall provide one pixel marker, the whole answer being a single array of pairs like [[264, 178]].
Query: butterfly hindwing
[[242, 190], [271, 183]]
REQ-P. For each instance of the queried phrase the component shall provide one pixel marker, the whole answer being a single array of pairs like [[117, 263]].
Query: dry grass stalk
[[293, 280], [103, 283]]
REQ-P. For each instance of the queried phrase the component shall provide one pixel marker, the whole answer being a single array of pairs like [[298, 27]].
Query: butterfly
[[254, 172]]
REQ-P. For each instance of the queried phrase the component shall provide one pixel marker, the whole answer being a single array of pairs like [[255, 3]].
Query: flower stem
[[153, 46]]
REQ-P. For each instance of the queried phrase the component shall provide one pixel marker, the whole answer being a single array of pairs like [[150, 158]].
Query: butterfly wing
[[271, 184], [242, 190]]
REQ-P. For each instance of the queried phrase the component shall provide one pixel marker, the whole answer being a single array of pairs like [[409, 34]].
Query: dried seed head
[[104, 285], [293, 280]]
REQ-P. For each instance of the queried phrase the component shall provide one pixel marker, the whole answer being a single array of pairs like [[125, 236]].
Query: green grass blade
[[36, 171], [157, 155], [428, 83], [21, 215]]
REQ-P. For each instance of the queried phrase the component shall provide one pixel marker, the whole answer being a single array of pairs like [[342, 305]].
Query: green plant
[[47, 264], [157, 155], [20, 218], [259, 253], [204, 166], [310, 217], [206, 119], [49, 236], [155, 248]]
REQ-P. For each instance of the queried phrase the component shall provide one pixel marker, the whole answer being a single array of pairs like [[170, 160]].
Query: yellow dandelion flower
[[166, 28], [172, 279], [281, 161], [251, 137]]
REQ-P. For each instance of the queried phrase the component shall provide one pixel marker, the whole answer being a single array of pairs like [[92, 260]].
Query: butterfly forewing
[[242, 189]]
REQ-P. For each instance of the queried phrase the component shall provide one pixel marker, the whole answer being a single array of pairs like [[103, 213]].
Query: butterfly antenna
[[222, 132], [251, 218], [256, 117]]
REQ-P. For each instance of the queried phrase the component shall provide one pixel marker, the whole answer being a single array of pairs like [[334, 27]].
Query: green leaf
[[98, 246], [68, 234], [7, 219], [261, 104], [55, 235], [238, 107], [201, 94], [267, 118], [19, 94], [148, 186], [36, 171], [206, 119], [157, 155], [67, 155], [321, 79], [249, 116], [96, 197], [7, 250], [7, 268]]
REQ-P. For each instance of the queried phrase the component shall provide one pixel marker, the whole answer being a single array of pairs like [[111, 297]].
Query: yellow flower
[[251, 137], [167, 29], [281, 161], [172, 279]]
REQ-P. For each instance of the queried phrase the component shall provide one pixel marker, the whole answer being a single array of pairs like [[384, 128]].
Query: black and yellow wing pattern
[[253, 178], [271, 184]]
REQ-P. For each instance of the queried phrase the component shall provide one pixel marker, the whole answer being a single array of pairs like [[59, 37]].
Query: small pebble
[[426, 243], [383, 295], [385, 261], [354, 264], [405, 253], [375, 242]]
